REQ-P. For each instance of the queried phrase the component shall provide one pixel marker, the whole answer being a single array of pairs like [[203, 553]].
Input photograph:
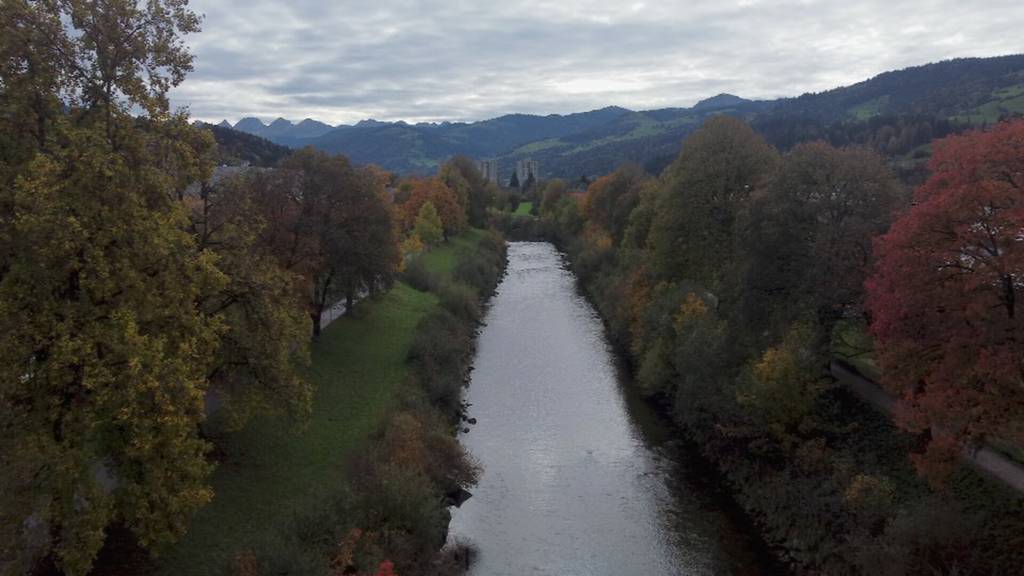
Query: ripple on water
[[572, 483]]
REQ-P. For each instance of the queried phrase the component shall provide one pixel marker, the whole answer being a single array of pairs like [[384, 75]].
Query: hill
[[235, 147], [897, 113]]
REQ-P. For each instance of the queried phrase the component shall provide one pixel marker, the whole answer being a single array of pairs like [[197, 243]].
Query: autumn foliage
[[444, 199], [946, 293]]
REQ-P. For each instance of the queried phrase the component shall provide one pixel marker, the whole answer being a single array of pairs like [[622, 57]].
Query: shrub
[[439, 354], [418, 276]]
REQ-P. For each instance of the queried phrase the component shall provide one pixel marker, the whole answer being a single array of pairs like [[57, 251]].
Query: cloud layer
[[429, 60]]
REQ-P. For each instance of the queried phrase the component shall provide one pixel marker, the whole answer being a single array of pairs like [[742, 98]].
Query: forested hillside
[[896, 113]]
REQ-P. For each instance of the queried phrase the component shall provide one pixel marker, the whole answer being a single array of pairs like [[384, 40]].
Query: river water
[[580, 477]]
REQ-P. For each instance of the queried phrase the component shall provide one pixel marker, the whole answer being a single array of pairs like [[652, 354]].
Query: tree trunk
[[350, 302], [316, 325]]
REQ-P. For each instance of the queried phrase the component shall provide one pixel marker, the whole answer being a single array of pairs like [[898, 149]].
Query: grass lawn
[[442, 259], [852, 342], [523, 209], [274, 472]]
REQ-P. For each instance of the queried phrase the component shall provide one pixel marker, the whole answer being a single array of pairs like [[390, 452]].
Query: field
[[523, 209], [274, 471]]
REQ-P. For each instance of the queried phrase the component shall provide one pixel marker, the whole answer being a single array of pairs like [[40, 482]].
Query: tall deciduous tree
[[611, 199], [266, 343], [461, 174], [345, 229], [693, 232], [444, 199], [808, 242], [428, 225], [946, 293], [104, 346]]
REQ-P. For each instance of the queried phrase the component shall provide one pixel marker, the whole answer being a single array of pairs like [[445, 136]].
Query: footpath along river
[[580, 476]]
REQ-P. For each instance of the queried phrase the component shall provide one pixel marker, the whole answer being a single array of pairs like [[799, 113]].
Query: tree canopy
[[946, 291]]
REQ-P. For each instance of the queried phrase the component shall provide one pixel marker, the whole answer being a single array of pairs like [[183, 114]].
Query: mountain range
[[896, 112]]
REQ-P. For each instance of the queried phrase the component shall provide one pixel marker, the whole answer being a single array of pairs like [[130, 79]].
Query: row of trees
[[730, 280], [131, 297]]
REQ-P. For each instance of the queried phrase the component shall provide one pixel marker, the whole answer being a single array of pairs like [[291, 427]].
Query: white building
[[525, 169], [489, 170]]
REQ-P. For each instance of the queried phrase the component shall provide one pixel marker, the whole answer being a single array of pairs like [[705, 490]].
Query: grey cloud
[[434, 60]]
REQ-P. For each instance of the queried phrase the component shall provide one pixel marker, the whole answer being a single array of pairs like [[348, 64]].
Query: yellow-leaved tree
[[105, 348]]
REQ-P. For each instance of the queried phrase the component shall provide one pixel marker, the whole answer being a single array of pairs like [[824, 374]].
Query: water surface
[[580, 477]]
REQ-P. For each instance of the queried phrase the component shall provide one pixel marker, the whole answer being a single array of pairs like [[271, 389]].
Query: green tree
[[461, 174], [554, 191], [105, 348], [428, 225], [693, 233], [808, 241], [258, 367]]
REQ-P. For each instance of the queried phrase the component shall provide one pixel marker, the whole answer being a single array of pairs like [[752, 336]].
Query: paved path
[[982, 458]]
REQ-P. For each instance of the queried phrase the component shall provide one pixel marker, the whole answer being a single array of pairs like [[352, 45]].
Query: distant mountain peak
[[722, 100], [250, 125], [311, 122], [225, 124]]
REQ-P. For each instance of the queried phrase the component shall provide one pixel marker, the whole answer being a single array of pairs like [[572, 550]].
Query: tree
[[704, 190], [611, 199], [460, 173], [428, 225], [946, 290], [808, 239], [104, 347], [258, 366], [554, 191], [345, 229], [433, 190], [514, 181]]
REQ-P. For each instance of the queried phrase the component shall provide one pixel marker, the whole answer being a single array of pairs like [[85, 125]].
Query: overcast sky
[[429, 60]]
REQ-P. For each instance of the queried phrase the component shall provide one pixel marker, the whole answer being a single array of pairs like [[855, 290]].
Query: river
[[580, 477]]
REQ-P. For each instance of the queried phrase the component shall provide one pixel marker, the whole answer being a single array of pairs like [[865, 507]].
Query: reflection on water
[[578, 478]]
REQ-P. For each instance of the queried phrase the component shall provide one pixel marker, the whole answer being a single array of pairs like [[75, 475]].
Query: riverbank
[[282, 488], [840, 496], [580, 475]]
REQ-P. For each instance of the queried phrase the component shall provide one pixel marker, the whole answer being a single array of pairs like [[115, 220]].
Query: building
[[525, 169], [489, 170]]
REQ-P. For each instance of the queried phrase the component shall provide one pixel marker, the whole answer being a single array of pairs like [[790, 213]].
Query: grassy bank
[[273, 475]]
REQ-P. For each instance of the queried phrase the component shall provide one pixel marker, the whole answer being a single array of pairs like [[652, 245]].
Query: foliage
[[444, 199], [944, 294], [730, 278], [265, 345], [428, 225], [461, 174], [611, 199], [808, 240], [693, 231], [106, 349], [341, 235]]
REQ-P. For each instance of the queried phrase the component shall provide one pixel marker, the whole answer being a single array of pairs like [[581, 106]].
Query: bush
[[460, 300], [418, 276], [440, 356]]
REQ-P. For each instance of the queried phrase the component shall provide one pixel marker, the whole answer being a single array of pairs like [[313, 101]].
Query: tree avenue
[[133, 300]]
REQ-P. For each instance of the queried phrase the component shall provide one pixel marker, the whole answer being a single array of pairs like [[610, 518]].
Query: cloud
[[433, 61]]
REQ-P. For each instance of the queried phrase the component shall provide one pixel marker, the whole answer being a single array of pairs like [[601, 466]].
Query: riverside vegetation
[[731, 280], [163, 372]]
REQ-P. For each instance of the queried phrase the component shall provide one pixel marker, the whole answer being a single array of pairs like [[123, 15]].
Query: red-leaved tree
[[946, 295]]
